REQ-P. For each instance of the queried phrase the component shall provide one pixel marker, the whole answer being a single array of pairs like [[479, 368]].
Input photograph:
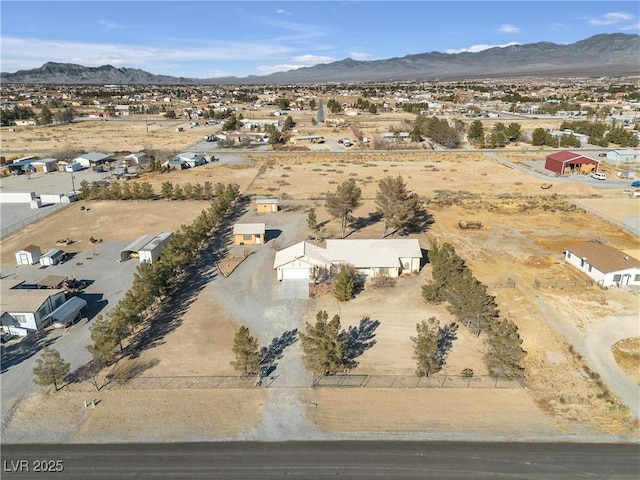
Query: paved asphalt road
[[317, 460]]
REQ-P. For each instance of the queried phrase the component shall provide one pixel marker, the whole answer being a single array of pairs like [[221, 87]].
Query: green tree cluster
[[120, 190], [186, 191], [334, 106], [470, 302], [439, 131], [152, 281]]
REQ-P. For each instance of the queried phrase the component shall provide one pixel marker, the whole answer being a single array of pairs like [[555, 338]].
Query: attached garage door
[[295, 273]]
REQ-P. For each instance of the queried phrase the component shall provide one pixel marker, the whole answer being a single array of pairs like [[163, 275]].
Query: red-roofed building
[[566, 162]]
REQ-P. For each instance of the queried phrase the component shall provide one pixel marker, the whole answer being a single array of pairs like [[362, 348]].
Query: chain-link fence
[[186, 382], [412, 381]]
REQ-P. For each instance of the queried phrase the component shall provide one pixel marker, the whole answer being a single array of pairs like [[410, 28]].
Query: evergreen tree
[[400, 208], [166, 190], [345, 284], [105, 342], [245, 348], [426, 346], [312, 221], [50, 368], [538, 137], [323, 345], [341, 204], [503, 350], [476, 132], [46, 117]]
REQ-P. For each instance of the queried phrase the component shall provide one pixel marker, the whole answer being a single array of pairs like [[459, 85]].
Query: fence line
[[509, 283], [628, 228], [412, 381], [185, 382], [562, 283], [43, 212]]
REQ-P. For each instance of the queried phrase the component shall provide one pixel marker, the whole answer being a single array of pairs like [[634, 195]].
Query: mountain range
[[612, 54]]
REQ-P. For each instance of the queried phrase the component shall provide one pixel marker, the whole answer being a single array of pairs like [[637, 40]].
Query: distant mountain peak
[[603, 54]]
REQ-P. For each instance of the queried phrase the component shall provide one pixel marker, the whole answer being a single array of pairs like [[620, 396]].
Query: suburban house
[[249, 233], [266, 205], [24, 311], [28, 255], [192, 159], [606, 265], [566, 162], [371, 258], [93, 159], [624, 156]]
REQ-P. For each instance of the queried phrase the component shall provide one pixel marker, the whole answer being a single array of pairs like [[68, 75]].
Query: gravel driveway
[[254, 297]]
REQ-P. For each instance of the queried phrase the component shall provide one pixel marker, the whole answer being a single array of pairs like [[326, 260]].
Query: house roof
[[71, 306], [249, 228], [157, 240], [271, 201], [22, 300], [368, 253], [299, 250], [30, 248], [567, 156], [136, 155], [44, 161], [605, 258], [94, 156]]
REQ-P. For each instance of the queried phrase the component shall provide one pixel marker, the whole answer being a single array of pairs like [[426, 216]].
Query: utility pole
[[73, 184]]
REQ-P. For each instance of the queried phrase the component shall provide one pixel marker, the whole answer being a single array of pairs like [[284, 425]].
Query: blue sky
[[219, 38]]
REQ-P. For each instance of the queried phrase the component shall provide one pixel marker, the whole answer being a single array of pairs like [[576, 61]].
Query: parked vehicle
[[598, 175], [636, 184]]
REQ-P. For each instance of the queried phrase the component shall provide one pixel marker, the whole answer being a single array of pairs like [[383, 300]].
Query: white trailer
[[73, 167], [17, 197]]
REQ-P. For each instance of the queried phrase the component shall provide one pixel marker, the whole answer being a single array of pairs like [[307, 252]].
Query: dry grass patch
[[627, 355]]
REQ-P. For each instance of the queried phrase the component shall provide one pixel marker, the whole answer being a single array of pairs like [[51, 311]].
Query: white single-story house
[[192, 159], [27, 310], [370, 257], [606, 265], [303, 260], [28, 255], [622, 156]]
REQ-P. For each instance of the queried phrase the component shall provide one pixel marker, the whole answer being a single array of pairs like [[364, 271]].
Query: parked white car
[[598, 175]]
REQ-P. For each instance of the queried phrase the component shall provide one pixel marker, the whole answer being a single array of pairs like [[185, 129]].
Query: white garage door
[[295, 273]]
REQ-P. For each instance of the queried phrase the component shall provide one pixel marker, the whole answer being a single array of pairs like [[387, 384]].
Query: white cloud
[[267, 69], [362, 56], [630, 27], [108, 25], [508, 28], [19, 53], [313, 59], [479, 48], [282, 11], [612, 18]]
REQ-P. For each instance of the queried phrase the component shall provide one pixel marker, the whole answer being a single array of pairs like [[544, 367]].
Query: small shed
[[249, 233], [52, 257], [28, 255], [566, 162], [266, 205]]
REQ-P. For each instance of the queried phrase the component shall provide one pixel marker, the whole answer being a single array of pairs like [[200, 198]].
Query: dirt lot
[[522, 239]]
